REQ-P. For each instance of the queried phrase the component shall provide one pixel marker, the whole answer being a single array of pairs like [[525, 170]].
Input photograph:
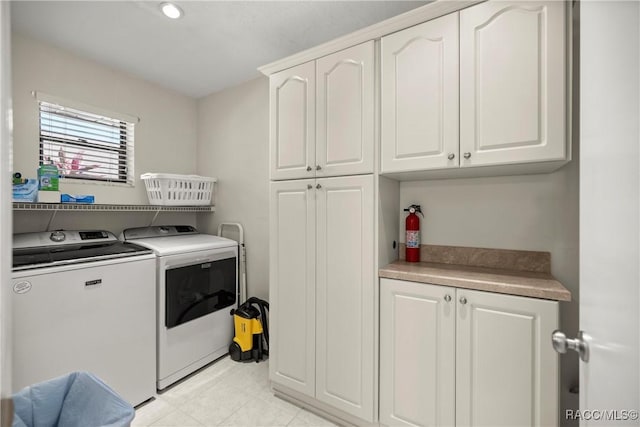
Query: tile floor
[[225, 393]]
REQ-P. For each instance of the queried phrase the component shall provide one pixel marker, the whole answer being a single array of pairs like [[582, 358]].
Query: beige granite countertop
[[512, 282]]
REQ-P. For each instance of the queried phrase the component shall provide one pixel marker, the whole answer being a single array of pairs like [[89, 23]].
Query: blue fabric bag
[[79, 399]]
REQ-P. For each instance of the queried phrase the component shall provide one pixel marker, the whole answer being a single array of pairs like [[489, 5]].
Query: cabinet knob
[[451, 156], [309, 186], [561, 344], [318, 186], [308, 168], [467, 155], [447, 298], [463, 300], [318, 167]]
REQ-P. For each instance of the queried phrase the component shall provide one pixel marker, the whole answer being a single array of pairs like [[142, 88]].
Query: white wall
[[5, 212], [528, 212], [233, 145], [165, 138], [28, 221]]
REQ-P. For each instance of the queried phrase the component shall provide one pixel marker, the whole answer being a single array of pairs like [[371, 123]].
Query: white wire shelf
[[23, 206]]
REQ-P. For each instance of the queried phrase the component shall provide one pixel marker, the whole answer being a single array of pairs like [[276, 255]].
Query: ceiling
[[217, 44]]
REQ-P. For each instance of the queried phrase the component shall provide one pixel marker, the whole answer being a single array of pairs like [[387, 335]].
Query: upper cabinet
[[322, 116], [509, 75], [293, 114], [512, 83], [345, 112], [420, 97]]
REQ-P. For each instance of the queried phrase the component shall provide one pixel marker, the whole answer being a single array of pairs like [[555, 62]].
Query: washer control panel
[[61, 237]]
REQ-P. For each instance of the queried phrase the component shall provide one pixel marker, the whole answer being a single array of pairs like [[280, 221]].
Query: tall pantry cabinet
[[322, 277]]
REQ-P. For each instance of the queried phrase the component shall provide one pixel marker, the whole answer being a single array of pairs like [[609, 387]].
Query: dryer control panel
[[158, 231]]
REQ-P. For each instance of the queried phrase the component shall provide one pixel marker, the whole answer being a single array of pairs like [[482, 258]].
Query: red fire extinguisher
[[412, 227]]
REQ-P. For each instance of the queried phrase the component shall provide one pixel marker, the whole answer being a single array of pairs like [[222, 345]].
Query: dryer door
[[198, 287]]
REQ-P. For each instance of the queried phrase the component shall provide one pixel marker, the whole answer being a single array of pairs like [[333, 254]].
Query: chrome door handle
[[451, 156], [308, 168], [318, 186], [309, 186], [463, 300], [447, 298], [561, 344], [467, 155], [318, 167]]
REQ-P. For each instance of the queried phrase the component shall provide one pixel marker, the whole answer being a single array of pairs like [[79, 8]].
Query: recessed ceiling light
[[170, 10]]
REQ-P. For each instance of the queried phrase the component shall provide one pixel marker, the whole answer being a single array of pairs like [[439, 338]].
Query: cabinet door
[[417, 354], [512, 82], [507, 370], [420, 97], [344, 135], [345, 294], [292, 285], [292, 117]]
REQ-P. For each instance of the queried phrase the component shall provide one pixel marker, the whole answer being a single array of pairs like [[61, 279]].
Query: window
[[85, 145]]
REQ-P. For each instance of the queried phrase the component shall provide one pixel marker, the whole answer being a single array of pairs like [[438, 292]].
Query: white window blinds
[[85, 145]]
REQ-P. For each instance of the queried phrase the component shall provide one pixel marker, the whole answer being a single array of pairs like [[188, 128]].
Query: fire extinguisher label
[[413, 238]]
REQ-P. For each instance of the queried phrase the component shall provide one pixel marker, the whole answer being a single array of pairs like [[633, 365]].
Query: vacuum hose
[[263, 306]]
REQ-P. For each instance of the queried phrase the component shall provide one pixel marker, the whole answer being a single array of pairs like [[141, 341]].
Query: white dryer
[[197, 280]]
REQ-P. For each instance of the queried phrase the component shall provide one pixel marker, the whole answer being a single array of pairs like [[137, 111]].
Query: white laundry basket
[[179, 190]]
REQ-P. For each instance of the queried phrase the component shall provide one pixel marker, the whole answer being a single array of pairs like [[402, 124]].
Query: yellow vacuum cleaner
[[251, 341]]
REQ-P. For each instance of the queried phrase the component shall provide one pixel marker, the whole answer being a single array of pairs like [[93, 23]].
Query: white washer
[[197, 279], [84, 301]]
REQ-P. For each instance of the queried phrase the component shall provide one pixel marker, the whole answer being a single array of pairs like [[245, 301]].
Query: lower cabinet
[[451, 356], [417, 354], [322, 290]]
